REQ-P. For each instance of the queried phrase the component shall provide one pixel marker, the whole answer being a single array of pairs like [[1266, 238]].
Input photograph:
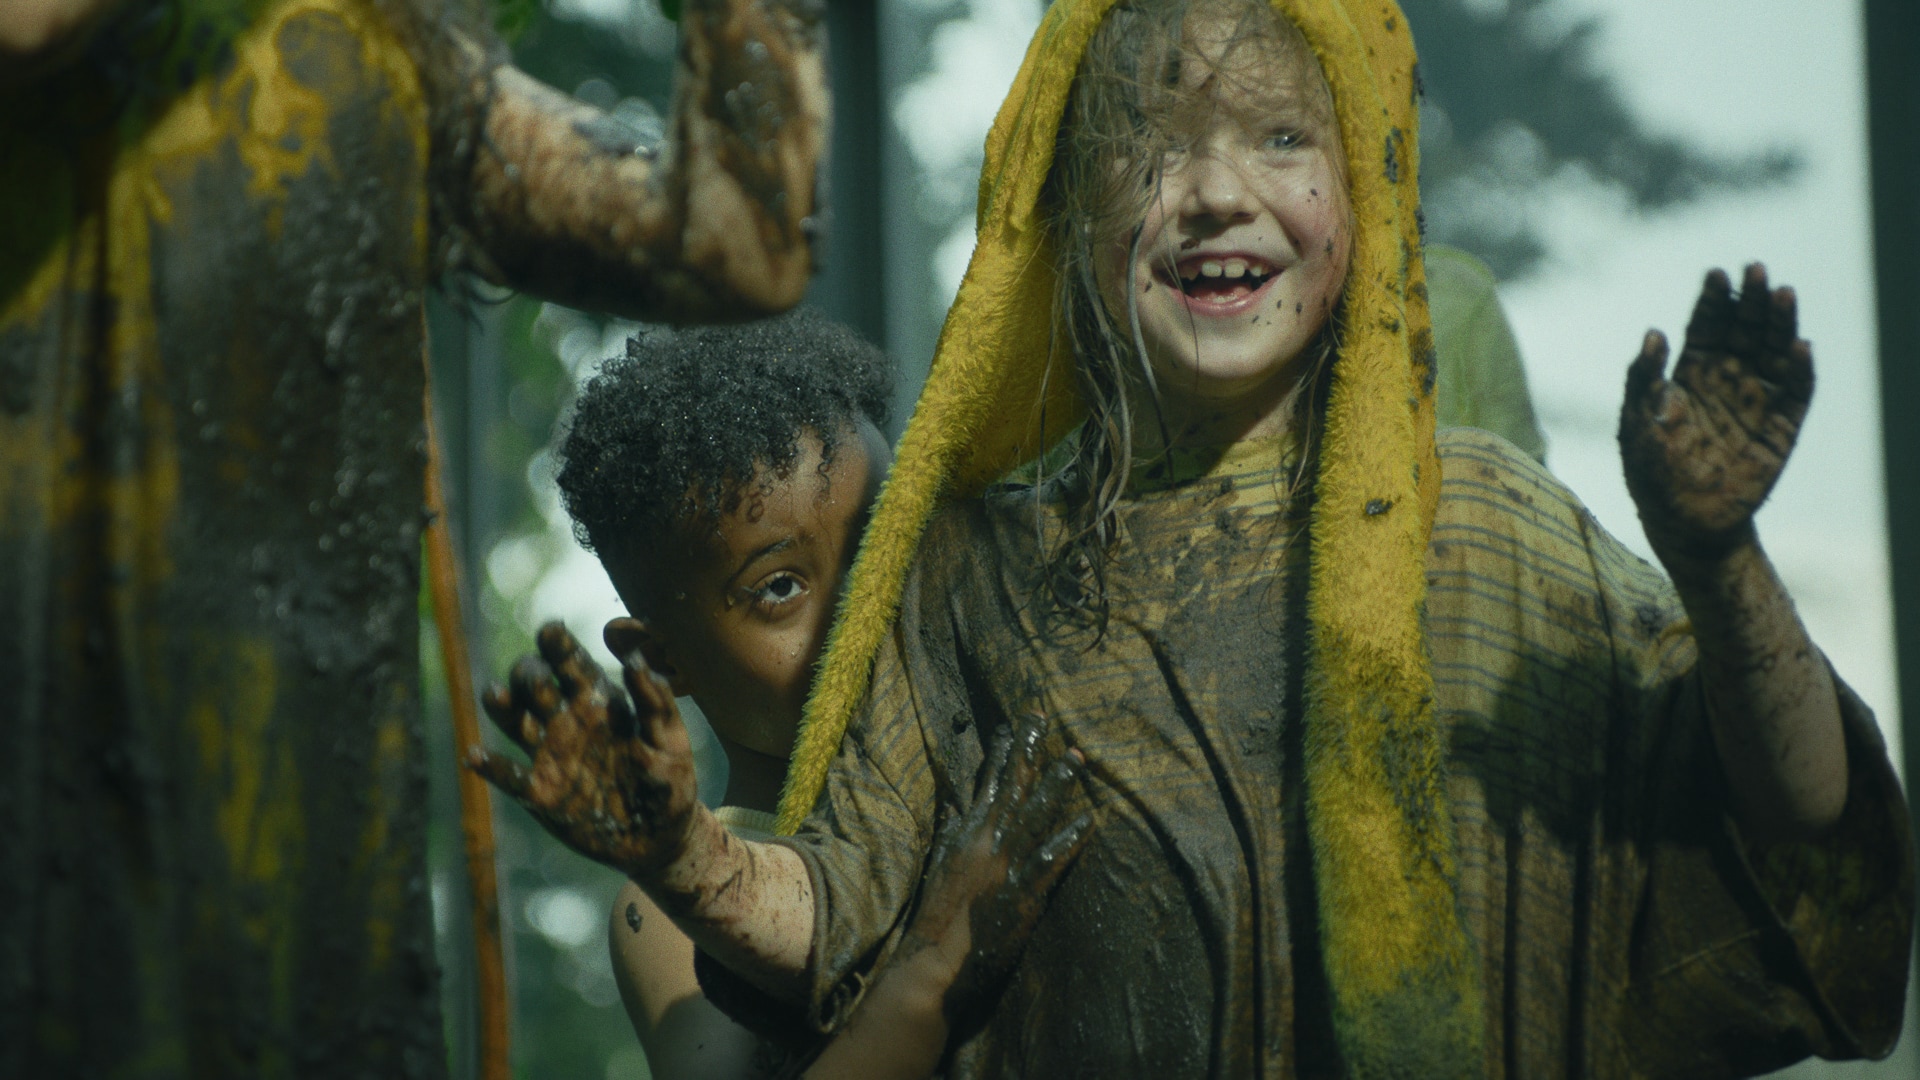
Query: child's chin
[[1226, 365]]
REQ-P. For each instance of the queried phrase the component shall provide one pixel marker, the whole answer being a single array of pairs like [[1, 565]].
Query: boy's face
[[1244, 250], [737, 611]]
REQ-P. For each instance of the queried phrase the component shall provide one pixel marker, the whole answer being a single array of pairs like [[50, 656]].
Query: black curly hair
[[672, 433]]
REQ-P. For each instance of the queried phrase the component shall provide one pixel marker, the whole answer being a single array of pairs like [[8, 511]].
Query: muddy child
[[723, 476], [1401, 765]]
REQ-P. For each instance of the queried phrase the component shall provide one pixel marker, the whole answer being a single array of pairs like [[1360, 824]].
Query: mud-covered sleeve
[[867, 839], [1745, 957]]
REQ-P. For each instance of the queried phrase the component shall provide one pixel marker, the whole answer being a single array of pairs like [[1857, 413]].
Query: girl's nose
[[1216, 189]]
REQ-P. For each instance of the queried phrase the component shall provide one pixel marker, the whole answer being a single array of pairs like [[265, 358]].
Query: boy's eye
[[778, 589]]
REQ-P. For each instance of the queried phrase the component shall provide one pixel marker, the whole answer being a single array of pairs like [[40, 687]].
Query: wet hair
[[1127, 112], [675, 432]]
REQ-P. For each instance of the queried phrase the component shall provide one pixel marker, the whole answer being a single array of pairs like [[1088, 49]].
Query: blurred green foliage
[[567, 1019], [502, 384]]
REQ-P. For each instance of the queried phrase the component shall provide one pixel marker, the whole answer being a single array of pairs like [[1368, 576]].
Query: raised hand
[[610, 778], [1703, 448], [993, 867]]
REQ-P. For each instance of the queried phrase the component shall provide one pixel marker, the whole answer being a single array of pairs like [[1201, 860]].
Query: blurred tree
[[1516, 101]]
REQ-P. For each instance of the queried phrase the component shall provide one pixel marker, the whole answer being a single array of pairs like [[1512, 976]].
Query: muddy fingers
[[612, 781], [1703, 448], [994, 866]]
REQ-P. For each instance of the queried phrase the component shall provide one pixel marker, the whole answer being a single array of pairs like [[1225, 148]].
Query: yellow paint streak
[[140, 503], [252, 772], [386, 778], [251, 766], [277, 125], [31, 446]]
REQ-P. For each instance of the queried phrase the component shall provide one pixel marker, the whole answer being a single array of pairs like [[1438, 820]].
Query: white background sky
[[1736, 74]]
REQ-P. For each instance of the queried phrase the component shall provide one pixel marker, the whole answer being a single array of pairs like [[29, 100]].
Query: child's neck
[[1267, 412], [754, 779]]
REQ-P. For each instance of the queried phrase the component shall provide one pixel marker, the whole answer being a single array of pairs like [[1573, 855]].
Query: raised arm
[[1702, 450], [613, 779], [715, 224]]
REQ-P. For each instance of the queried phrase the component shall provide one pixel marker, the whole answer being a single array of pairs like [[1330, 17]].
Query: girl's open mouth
[[1218, 284]]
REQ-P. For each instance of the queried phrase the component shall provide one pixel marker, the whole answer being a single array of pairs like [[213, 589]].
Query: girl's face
[[1244, 249]]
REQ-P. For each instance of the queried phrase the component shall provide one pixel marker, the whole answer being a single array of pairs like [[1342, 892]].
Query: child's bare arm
[[684, 1034], [713, 225], [1701, 452], [989, 878], [613, 779]]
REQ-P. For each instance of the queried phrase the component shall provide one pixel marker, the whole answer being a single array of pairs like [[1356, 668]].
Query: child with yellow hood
[[1401, 766]]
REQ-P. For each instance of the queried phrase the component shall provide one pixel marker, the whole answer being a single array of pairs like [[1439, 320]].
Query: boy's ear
[[625, 634]]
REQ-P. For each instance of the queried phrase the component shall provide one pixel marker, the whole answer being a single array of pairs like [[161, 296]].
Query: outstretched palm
[[1703, 449], [610, 779]]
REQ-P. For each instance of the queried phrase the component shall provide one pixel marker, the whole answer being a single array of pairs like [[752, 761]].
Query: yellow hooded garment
[[1399, 965]]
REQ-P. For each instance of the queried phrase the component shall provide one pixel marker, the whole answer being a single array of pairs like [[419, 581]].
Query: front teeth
[[1234, 268]]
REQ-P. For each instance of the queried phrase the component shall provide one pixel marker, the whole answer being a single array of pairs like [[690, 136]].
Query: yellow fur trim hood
[[1401, 971]]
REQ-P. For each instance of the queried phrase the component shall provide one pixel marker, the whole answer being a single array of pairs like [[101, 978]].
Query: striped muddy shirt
[[1624, 927]]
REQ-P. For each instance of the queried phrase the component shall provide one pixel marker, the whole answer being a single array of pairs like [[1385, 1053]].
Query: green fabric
[[1618, 929], [1482, 382]]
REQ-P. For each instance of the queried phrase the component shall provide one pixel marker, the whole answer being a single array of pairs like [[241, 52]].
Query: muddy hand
[[611, 778], [1703, 448], [993, 867]]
